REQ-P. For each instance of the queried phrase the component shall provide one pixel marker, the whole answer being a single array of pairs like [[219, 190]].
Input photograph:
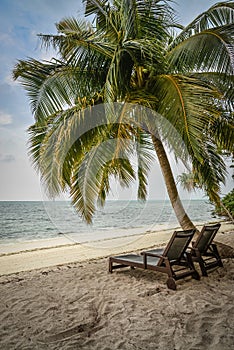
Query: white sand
[[80, 306]]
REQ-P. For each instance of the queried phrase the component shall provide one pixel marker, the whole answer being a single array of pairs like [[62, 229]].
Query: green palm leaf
[[210, 50], [189, 105], [90, 180], [220, 14]]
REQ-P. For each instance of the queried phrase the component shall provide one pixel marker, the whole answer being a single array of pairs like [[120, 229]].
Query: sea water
[[35, 221]]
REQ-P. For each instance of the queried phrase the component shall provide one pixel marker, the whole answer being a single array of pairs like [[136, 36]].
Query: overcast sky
[[20, 22]]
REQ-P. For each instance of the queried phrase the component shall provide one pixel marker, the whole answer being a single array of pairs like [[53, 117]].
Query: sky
[[20, 22]]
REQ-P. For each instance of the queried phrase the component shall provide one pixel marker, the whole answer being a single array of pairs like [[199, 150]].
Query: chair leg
[[217, 255], [196, 275], [198, 258], [171, 284], [203, 269], [110, 266], [220, 263]]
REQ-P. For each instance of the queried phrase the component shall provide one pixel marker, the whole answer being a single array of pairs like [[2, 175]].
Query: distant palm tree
[[134, 53], [187, 181]]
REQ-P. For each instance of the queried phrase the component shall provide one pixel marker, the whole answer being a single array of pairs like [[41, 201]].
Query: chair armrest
[[192, 249], [188, 255], [155, 255], [158, 256]]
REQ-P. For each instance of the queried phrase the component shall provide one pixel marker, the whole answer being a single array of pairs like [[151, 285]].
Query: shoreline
[[64, 239], [47, 256]]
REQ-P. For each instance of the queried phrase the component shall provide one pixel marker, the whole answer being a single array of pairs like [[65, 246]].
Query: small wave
[[18, 223]]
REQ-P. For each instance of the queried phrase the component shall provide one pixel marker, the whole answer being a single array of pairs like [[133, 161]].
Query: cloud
[[7, 158], [5, 119], [6, 39], [10, 81]]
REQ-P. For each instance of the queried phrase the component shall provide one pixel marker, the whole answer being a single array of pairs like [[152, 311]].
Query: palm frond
[[93, 6], [210, 173], [189, 105], [53, 86], [224, 84], [37, 133], [91, 178], [187, 181], [34, 76], [223, 133], [218, 15], [70, 133], [145, 157], [211, 50]]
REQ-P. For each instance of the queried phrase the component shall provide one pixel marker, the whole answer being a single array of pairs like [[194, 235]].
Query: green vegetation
[[228, 202], [227, 207], [134, 53]]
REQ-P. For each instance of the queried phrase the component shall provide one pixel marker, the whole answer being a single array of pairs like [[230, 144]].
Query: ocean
[[35, 221]]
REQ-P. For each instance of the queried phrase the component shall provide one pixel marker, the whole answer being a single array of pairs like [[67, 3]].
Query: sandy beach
[[64, 298]]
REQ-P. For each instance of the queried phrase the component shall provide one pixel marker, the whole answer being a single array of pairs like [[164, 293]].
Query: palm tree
[[187, 181], [178, 81]]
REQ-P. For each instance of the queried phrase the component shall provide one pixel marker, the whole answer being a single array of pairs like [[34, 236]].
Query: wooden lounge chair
[[173, 260], [204, 251]]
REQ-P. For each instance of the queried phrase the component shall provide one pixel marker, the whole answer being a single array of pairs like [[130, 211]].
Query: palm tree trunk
[[177, 205]]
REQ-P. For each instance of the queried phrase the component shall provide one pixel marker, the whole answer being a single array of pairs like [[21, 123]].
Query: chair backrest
[[177, 245], [206, 237]]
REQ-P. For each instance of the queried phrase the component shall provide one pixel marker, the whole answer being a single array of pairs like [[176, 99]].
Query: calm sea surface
[[26, 221]]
